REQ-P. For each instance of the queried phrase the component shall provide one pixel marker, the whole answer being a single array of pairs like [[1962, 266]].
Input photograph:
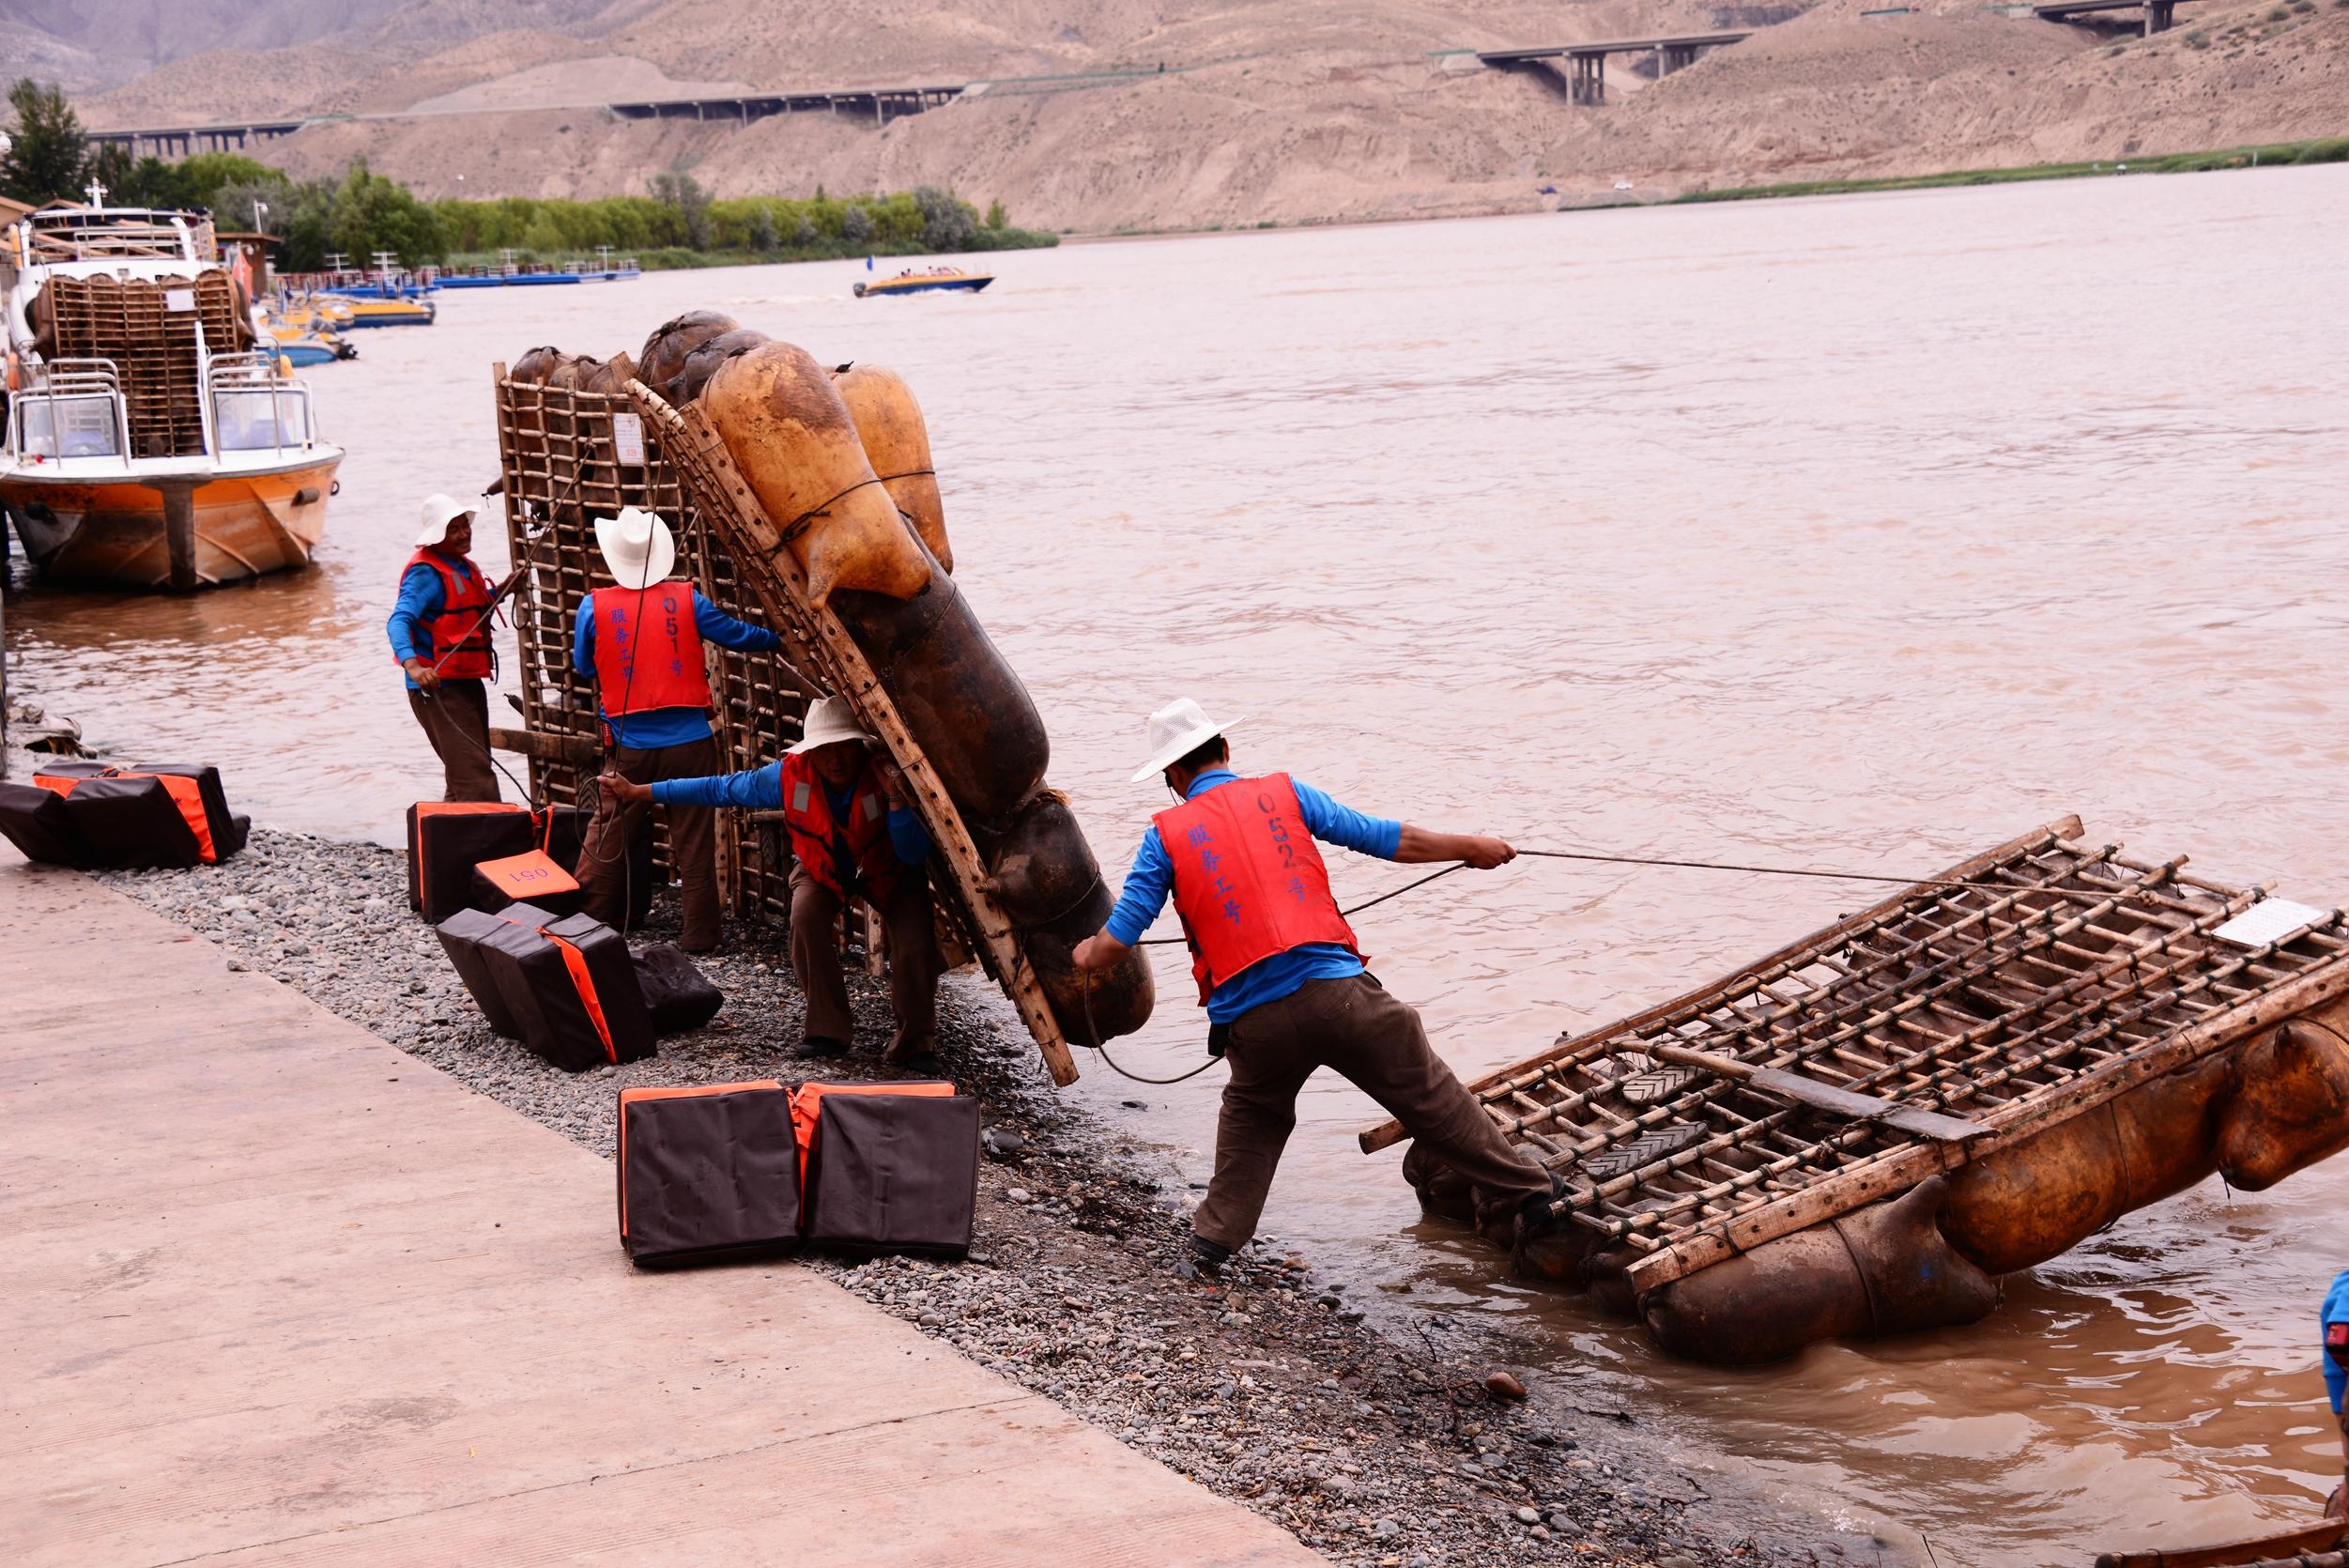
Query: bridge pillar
[[1587, 84], [2158, 14], [1676, 57]]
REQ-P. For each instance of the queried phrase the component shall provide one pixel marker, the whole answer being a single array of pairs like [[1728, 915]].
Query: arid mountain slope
[[1265, 111]]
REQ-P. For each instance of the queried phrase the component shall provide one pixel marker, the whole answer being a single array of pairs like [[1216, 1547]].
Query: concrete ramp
[[279, 1292]]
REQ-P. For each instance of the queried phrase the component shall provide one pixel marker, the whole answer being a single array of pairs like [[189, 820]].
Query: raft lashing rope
[[1590, 856]]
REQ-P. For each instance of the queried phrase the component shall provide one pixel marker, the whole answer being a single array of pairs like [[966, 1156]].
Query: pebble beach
[[1375, 1443]]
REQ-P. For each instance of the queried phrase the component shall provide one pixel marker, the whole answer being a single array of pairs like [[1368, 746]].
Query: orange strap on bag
[[632, 1097], [185, 794]]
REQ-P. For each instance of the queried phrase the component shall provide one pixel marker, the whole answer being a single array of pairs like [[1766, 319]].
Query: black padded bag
[[894, 1173], [462, 936], [36, 820], [543, 999], [133, 821], [229, 831], [444, 846], [677, 995], [705, 1176]]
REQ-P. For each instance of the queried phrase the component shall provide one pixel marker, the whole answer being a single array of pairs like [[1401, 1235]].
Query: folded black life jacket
[[707, 1173], [531, 877], [148, 814], [567, 987], [447, 838], [36, 820], [678, 995], [888, 1167]]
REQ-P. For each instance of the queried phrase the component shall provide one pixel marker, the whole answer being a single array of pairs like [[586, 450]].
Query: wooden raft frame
[[2023, 987], [726, 501], [560, 472]]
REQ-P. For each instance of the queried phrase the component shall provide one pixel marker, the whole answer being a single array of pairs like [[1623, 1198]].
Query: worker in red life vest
[[439, 631], [641, 640], [1282, 978], [853, 836]]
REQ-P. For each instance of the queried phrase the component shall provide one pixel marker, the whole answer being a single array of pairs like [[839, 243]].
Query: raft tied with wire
[[1966, 1080]]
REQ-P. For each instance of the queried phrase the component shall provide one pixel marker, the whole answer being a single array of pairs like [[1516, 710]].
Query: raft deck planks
[[2053, 977]]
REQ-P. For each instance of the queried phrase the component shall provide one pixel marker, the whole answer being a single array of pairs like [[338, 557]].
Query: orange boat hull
[[116, 533]]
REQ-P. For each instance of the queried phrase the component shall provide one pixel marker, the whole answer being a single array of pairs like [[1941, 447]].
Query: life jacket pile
[[734, 1168], [565, 987], [92, 815], [447, 838], [707, 1173]]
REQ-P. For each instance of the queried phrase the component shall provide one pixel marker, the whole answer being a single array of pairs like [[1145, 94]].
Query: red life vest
[[1249, 882], [648, 651], [459, 637], [818, 840]]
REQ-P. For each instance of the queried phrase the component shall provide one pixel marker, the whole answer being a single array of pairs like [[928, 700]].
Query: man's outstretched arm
[[1420, 846]]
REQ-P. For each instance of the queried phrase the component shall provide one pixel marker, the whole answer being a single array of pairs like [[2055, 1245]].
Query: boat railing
[[69, 408], [255, 408]]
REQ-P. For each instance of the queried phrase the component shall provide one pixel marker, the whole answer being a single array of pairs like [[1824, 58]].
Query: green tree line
[[364, 212]]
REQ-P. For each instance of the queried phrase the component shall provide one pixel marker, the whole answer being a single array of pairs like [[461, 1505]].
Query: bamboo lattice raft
[[560, 470], [1972, 1077]]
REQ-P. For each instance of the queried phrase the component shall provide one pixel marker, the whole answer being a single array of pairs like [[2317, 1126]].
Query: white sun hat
[[438, 512], [636, 545], [1177, 730], [830, 721]]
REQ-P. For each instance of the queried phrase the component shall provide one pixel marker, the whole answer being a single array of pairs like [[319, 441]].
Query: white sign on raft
[[2269, 920], [628, 440], [180, 299]]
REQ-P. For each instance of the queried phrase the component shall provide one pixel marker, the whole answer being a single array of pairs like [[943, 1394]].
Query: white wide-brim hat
[[637, 547], [1177, 730], [830, 721], [438, 512]]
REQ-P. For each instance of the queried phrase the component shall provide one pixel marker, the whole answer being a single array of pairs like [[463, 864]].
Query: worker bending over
[[1282, 978], [641, 641], [439, 631], [852, 837]]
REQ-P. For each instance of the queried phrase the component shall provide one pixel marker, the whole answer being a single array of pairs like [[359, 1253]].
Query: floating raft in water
[[2074, 1003], [2322, 1545]]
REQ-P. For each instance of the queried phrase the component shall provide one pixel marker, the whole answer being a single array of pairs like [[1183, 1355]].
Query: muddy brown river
[[1857, 533]]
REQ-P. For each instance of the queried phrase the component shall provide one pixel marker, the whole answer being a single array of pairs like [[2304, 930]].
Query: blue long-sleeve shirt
[[1269, 979], [2336, 1310], [421, 601], [761, 789], [659, 727]]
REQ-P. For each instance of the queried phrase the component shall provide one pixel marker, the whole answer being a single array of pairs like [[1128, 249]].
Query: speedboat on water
[[153, 438], [928, 280]]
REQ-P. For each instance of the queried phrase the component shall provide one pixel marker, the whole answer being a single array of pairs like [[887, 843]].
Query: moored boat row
[[153, 438]]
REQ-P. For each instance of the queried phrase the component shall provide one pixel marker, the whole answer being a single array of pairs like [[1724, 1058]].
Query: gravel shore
[[1269, 1389]]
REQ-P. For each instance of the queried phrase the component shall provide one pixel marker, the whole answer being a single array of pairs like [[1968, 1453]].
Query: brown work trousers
[[1377, 1044], [603, 872], [909, 929], [455, 716]]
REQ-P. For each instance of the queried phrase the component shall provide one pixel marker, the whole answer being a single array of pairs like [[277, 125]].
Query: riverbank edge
[[678, 259], [1270, 1389]]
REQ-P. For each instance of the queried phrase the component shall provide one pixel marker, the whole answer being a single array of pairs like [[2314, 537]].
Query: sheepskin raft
[[2078, 1038]]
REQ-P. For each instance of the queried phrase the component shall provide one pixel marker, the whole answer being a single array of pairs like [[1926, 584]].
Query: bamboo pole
[[750, 535]]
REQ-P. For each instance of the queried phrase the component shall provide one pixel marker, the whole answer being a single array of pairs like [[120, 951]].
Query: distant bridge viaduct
[[1586, 65]]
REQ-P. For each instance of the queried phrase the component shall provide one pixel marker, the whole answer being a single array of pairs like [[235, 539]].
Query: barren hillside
[[1264, 111]]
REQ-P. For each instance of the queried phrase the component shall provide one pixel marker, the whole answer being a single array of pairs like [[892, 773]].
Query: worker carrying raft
[[641, 641], [853, 836], [1282, 978], [440, 632]]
